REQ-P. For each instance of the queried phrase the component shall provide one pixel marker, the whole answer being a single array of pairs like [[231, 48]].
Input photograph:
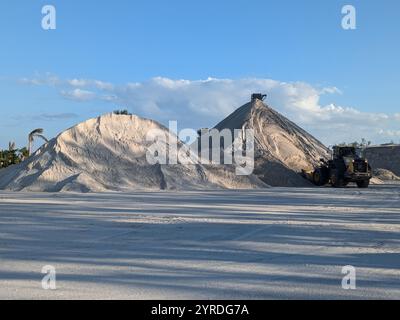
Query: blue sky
[[300, 45]]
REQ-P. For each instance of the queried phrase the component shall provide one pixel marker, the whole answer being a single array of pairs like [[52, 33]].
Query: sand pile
[[282, 149], [385, 175], [109, 154]]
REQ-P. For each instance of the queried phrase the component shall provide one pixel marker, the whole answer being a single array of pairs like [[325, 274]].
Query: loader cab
[[347, 152], [342, 152]]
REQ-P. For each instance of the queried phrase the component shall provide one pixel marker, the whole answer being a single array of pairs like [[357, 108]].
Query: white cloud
[[55, 116], [77, 82], [53, 80], [203, 103], [84, 83], [390, 133], [44, 117], [103, 85], [78, 95], [35, 82], [47, 79], [330, 90]]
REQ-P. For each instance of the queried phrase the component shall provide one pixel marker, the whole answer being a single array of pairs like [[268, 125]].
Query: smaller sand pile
[[282, 149], [385, 175]]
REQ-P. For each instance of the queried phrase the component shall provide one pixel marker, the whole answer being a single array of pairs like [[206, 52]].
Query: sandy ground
[[275, 243]]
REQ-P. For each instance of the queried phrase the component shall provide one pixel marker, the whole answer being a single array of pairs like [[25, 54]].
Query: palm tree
[[37, 133], [11, 146]]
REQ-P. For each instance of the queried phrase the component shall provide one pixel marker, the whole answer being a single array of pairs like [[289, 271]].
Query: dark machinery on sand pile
[[258, 96], [347, 165]]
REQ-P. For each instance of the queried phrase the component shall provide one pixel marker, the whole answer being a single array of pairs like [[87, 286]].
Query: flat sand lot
[[278, 243]]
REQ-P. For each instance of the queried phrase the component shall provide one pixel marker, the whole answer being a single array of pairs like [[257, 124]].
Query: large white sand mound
[[283, 149], [109, 154]]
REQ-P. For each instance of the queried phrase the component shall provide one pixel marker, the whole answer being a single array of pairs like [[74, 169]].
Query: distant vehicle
[[347, 165], [258, 96]]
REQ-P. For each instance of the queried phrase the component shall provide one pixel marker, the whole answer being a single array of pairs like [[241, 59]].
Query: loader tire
[[363, 184], [337, 181], [319, 177]]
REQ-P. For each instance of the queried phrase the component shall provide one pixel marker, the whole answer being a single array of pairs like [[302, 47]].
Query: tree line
[[14, 155], [364, 143]]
